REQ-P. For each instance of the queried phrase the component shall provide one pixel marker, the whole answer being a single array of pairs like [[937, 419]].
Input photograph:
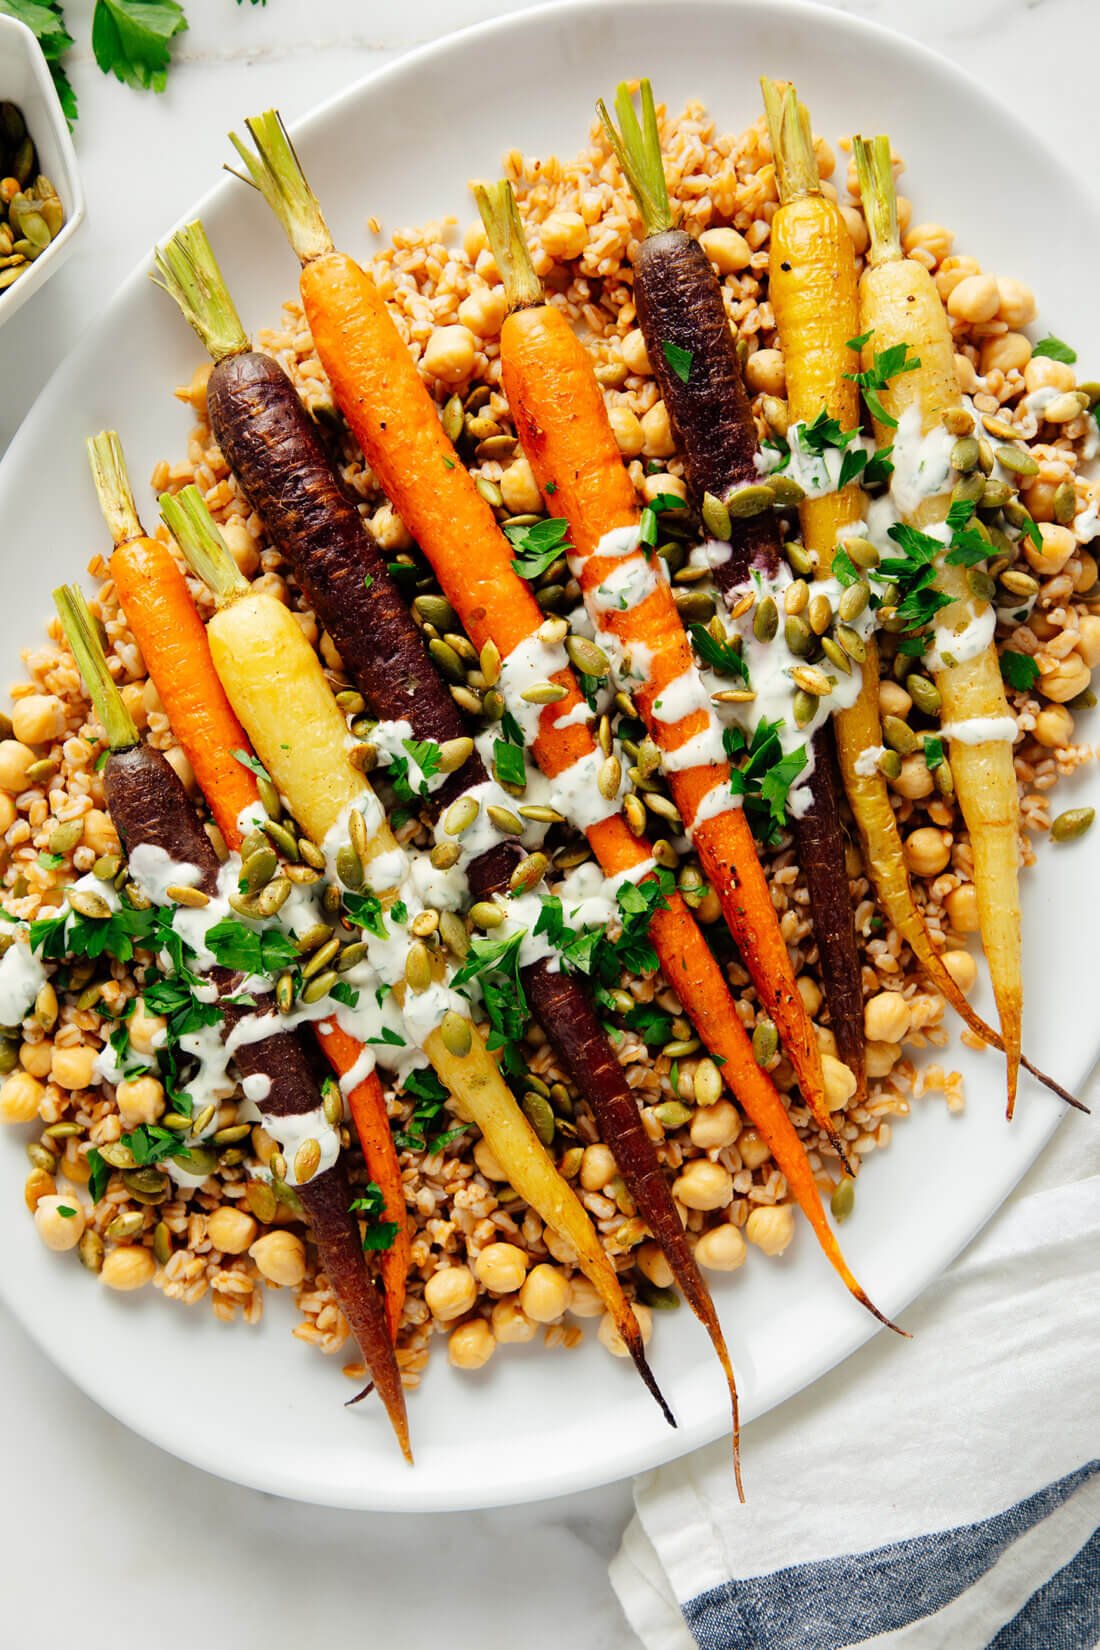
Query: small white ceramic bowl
[[25, 81]]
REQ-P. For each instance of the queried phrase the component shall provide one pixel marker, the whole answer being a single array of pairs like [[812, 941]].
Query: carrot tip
[[637, 1353], [865, 1300]]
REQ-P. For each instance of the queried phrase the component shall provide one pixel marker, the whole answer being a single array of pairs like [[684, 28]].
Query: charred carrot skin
[[679, 301]]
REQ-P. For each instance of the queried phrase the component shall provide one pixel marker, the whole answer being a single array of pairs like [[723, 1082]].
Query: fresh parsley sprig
[[539, 545], [887, 364], [765, 778]]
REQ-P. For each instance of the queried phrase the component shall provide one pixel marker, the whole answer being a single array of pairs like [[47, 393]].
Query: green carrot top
[[187, 270], [276, 172], [637, 148], [195, 531], [507, 242], [112, 485], [875, 170], [792, 141], [83, 637]]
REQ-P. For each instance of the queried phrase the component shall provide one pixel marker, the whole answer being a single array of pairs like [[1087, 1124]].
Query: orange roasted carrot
[[563, 426], [377, 386], [367, 1101]]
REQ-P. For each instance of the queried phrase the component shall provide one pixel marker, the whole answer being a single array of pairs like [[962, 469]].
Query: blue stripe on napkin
[[842, 1601], [1064, 1614]]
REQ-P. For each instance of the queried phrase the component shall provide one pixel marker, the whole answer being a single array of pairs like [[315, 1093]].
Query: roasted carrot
[[395, 422], [683, 319], [901, 309], [278, 688], [563, 427], [159, 610], [149, 806]]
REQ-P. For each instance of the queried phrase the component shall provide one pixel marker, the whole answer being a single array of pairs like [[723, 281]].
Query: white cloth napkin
[[941, 1494]]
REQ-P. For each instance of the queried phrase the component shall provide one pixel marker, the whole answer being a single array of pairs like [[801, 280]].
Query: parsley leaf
[[1019, 670], [424, 754], [344, 993], [132, 39], [880, 467], [888, 364], [365, 910], [99, 1176], [399, 911], [647, 526], [539, 545], [858, 343], [71, 935], [252, 764], [720, 656], [509, 764], [378, 1234], [652, 1024], [845, 570], [45, 21], [853, 465], [1054, 350], [248, 951], [150, 1143], [823, 433], [933, 753], [430, 1097], [389, 1037], [50, 862], [495, 965], [968, 548], [765, 780], [678, 359]]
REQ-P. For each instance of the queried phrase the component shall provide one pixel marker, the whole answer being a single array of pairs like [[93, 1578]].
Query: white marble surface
[[148, 1543]]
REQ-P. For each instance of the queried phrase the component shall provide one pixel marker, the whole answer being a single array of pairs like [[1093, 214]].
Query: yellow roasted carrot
[[899, 306]]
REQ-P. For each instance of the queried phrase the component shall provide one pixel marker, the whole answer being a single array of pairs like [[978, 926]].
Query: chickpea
[[38, 719], [388, 530], [962, 969], [657, 432], [7, 812], [72, 1068], [1058, 546], [474, 240], [927, 851], [886, 1017], [961, 905], [129, 1268], [280, 1257], [37, 1058], [99, 832], [727, 250], [140, 1100], [501, 1267], [1041, 373], [564, 235], [881, 1058], [133, 697], [487, 1163], [826, 1039], [716, 1126], [754, 1151], [933, 238], [1054, 727], [826, 159], [584, 1300], [59, 1231], [653, 1265], [1088, 639], [703, 1185], [810, 992], [914, 781], [546, 1294], [1010, 351], [627, 429], [449, 355], [765, 373], [177, 760], [519, 488], [471, 1345], [484, 311], [654, 486], [231, 1230], [1016, 302], [20, 1096], [722, 1249], [609, 1336], [597, 1168], [771, 1228], [974, 300], [146, 1030], [840, 1082], [1088, 573], [1069, 677], [635, 354], [857, 228], [450, 1292], [242, 547], [15, 759], [893, 699], [511, 1324], [966, 373], [905, 212]]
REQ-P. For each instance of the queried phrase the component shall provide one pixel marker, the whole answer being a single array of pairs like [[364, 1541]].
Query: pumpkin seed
[[528, 873], [489, 661], [261, 1200], [253, 842], [843, 1201], [944, 779], [765, 1042], [969, 488], [924, 694], [796, 596], [889, 765], [485, 913], [64, 1131], [435, 610], [350, 702], [1071, 824], [456, 1034], [964, 454], [1064, 504], [284, 839], [672, 1114], [445, 855], [90, 1251], [364, 756], [424, 924], [587, 657], [312, 938], [490, 492], [804, 706], [357, 835], [9, 1055], [274, 896], [307, 1160], [981, 586], [46, 1007], [321, 958], [176, 1121], [452, 931], [162, 1243], [66, 836], [284, 992], [853, 601], [349, 867], [184, 894], [665, 854], [862, 552], [716, 518], [680, 1047], [1017, 516], [41, 770], [147, 1185], [117, 1155], [1017, 461], [610, 778], [802, 561], [245, 905], [985, 457], [319, 986], [750, 501], [418, 967], [503, 819], [42, 1158], [203, 1120], [351, 955], [541, 813], [836, 655], [812, 680], [124, 1226], [545, 693], [86, 903], [312, 855], [798, 636], [786, 491], [269, 796], [652, 1295], [540, 1114], [107, 867], [852, 642], [664, 809], [899, 735], [451, 418], [765, 621], [447, 659], [634, 810], [201, 1160], [1019, 583]]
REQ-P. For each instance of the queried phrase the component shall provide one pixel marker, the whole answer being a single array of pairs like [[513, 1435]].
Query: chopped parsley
[[150, 1144], [764, 782], [933, 753], [399, 911], [65, 1211], [495, 965], [823, 433], [423, 754], [50, 862], [888, 364], [914, 573], [720, 656], [678, 359], [511, 729], [845, 570], [365, 910], [99, 1174], [647, 527], [252, 764], [378, 1234], [1019, 670], [1053, 349], [430, 1097], [858, 343], [651, 1024], [388, 1037], [539, 545], [509, 763], [368, 580], [591, 951], [73, 935], [249, 951], [344, 993]]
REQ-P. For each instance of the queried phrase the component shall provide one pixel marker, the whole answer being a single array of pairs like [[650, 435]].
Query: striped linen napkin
[[944, 1499]]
